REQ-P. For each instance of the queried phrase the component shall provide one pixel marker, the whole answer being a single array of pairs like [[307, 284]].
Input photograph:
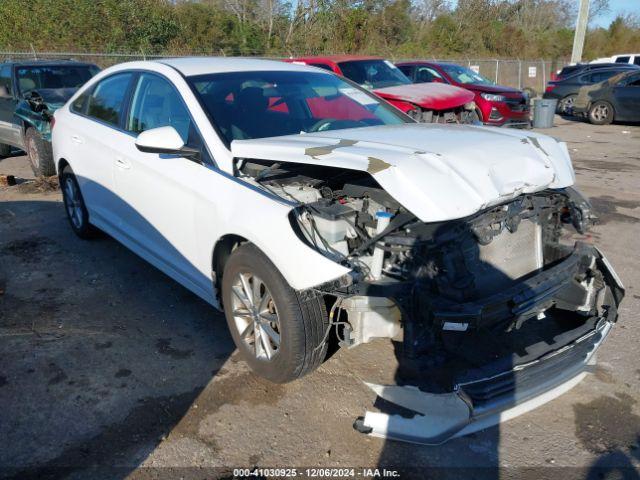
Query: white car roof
[[190, 66]]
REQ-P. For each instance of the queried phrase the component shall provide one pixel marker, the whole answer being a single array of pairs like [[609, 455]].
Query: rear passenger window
[[622, 59], [601, 76], [636, 60], [106, 102]]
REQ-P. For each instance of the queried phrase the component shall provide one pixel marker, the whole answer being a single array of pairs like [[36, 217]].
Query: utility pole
[[581, 29]]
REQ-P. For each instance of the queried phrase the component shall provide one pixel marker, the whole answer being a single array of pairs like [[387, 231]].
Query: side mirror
[[4, 92], [165, 140]]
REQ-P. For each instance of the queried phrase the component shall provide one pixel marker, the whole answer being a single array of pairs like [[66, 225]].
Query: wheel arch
[[221, 252], [60, 164]]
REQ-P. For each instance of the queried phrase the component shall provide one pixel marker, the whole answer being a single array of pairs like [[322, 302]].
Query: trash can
[[543, 111]]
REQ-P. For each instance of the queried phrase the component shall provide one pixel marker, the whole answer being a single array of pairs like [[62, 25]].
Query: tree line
[[392, 28]]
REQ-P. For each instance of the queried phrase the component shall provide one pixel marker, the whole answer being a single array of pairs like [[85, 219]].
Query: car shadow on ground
[[101, 354]]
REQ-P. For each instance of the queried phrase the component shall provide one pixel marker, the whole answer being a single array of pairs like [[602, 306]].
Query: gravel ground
[[109, 369]]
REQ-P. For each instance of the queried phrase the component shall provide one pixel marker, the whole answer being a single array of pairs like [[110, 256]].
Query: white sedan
[[309, 209]]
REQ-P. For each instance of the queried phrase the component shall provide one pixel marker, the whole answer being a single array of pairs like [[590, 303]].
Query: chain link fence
[[521, 74]]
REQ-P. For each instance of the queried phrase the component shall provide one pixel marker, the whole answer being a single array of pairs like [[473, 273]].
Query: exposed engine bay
[[462, 114], [457, 294]]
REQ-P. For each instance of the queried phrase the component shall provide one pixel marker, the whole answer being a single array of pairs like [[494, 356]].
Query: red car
[[497, 105], [425, 103]]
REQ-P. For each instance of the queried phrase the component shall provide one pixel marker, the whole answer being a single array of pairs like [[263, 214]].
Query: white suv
[[301, 203]]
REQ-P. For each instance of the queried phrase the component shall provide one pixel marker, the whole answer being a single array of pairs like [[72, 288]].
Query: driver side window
[[156, 103]]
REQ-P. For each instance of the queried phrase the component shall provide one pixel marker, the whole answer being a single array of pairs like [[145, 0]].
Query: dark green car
[[30, 91]]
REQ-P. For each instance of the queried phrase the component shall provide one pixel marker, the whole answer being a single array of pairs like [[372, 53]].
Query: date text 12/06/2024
[[315, 473]]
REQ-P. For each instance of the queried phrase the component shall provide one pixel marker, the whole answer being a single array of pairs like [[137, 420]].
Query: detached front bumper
[[488, 396]]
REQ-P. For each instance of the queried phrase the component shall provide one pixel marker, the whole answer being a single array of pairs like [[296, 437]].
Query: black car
[[615, 99], [30, 91], [566, 89], [571, 70]]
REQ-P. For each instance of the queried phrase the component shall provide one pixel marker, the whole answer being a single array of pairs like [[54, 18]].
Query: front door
[[626, 99], [157, 192]]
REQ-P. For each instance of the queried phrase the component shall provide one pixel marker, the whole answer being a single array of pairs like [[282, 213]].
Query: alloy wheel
[[73, 202], [600, 112], [255, 316]]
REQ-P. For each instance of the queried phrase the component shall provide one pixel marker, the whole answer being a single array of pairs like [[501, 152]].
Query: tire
[[74, 205], [39, 153], [565, 105], [5, 150], [299, 320], [601, 113]]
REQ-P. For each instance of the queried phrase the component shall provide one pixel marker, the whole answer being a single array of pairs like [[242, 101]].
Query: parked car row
[[600, 92], [432, 92], [299, 202]]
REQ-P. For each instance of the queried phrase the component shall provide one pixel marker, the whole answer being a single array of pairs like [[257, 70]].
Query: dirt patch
[[245, 388], [35, 314], [39, 185], [103, 346], [59, 374], [607, 423], [609, 166], [606, 207], [123, 372], [28, 250], [163, 345], [125, 443]]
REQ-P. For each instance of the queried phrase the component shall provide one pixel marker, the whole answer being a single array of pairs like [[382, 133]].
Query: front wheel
[[39, 153], [601, 113], [278, 331]]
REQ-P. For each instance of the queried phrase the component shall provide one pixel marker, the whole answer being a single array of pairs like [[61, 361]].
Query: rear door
[[97, 136]]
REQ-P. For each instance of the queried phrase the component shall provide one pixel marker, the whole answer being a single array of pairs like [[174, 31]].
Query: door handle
[[122, 163], [76, 139]]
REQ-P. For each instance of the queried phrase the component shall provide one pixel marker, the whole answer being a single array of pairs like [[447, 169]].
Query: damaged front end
[[37, 107], [463, 114], [493, 313]]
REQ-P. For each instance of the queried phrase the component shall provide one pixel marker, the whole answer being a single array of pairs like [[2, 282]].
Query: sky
[[617, 7]]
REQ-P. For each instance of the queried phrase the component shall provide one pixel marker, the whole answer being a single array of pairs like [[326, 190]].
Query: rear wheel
[[601, 113], [565, 105], [39, 153], [278, 331], [74, 205]]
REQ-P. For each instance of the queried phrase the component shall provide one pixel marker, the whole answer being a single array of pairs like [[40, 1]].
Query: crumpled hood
[[432, 96], [438, 172], [54, 98]]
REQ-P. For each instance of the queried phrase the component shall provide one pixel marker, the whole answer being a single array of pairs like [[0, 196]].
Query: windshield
[[465, 75], [374, 74], [246, 105], [41, 77]]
